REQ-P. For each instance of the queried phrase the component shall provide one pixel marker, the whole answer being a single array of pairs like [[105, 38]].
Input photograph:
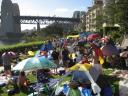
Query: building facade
[[82, 16], [94, 18], [79, 14]]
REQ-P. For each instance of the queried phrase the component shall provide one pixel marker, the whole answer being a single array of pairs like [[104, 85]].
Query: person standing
[[6, 63], [65, 56], [55, 56]]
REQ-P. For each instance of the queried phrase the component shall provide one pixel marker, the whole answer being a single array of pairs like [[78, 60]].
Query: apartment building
[[94, 16]]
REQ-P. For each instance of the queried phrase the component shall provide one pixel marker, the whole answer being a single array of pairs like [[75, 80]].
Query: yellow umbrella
[[73, 36]]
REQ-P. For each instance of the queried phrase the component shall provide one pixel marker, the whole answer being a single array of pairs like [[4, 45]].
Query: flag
[[98, 53]]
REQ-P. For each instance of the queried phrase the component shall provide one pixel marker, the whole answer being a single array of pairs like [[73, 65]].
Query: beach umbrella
[[34, 64], [92, 37], [84, 34], [109, 50]]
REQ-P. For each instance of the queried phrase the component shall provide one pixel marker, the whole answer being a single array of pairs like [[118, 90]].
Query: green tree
[[53, 30], [122, 15], [110, 12], [116, 12]]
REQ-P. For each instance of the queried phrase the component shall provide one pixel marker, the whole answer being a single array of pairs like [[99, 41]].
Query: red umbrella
[[93, 36], [109, 50]]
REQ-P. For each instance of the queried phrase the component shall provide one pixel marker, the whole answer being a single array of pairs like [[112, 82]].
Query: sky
[[59, 8]]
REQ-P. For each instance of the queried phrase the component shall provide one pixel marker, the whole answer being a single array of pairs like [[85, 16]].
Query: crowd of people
[[69, 53]]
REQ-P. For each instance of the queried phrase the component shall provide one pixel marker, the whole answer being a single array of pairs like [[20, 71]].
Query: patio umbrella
[[109, 50], [34, 64], [92, 37]]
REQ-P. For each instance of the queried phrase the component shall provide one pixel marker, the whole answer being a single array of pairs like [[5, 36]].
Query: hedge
[[21, 47]]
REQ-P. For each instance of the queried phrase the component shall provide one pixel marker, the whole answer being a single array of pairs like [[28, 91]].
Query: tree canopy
[[116, 12]]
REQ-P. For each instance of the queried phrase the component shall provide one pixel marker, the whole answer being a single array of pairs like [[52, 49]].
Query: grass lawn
[[3, 91], [113, 81]]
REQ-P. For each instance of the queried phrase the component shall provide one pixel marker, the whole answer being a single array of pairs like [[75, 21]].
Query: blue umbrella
[[84, 34]]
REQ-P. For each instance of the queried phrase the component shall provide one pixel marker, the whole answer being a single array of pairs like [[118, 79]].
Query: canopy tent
[[84, 70]]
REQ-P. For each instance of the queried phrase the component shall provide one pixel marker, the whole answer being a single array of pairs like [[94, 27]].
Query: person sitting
[[22, 81]]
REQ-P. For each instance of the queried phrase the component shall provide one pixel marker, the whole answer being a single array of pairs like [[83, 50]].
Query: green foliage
[[20, 46], [117, 13], [53, 30], [115, 35], [110, 12]]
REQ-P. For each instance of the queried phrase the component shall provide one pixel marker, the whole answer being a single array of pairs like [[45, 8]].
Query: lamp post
[[104, 32]]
